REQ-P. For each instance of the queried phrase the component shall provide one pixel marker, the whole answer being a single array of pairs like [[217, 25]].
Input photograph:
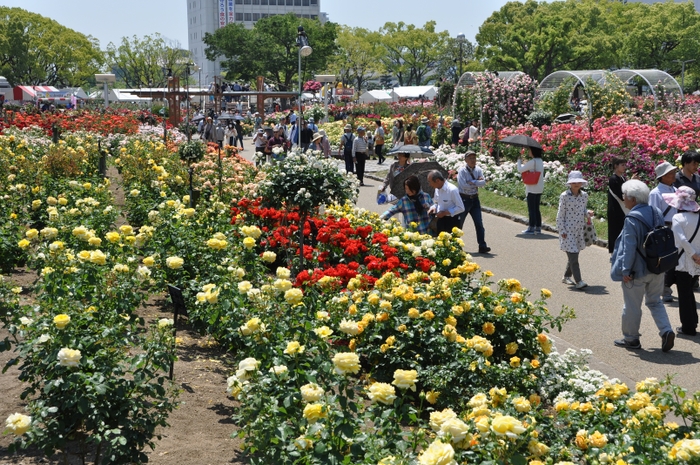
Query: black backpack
[[660, 251]]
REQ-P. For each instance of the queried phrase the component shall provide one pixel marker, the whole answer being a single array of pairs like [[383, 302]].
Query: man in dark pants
[[360, 153], [448, 204], [305, 135], [469, 179]]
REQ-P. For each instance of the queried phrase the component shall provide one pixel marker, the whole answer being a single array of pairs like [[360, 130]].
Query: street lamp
[[187, 92], [304, 51], [168, 74], [683, 73], [461, 38]]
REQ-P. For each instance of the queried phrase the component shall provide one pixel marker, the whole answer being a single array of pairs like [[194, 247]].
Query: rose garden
[[356, 340]]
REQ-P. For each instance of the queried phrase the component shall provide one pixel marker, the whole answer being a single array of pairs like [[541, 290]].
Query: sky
[[110, 21]]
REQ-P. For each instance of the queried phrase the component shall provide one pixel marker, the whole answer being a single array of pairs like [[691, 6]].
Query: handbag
[[590, 237], [433, 225], [531, 178]]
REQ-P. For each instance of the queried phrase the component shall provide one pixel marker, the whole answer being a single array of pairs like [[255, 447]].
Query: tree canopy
[[270, 49], [145, 62], [36, 50]]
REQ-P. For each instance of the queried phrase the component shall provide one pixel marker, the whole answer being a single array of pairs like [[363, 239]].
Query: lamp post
[[304, 50], [461, 38], [187, 92], [682, 62], [168, 73]]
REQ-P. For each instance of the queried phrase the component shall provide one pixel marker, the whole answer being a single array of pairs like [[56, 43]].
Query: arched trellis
[[655, 80], [651, 77], [468, 79]]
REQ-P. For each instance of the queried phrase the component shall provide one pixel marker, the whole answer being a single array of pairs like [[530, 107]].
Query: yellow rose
[[69, 357], [244, 287], [438, 453], [61, 321], [432, 396], [515, 362], [581, 440], [31, 234], [346, 362], [413, 313], [521, 404], [112, 236], [95, 241], [314, 412], [283, 273], [293, 296], [427, 315], [311, 392], [84, 255], [405, 379], [349, 327], [148, 261], [598, 439], [249, 243], [438, 418], [488, 328], [293, 348], [323, 332], [269, 257], [126, 229], [23, 244], [18, 424], [174, 262], [382, 392], [511, 348], [456, 428], [505, 425]]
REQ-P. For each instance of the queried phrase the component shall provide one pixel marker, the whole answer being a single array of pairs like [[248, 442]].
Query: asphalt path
[[537, 262]]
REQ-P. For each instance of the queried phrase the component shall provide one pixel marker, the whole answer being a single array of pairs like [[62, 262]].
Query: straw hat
[[348, 127], [424, 119], [316, 137]]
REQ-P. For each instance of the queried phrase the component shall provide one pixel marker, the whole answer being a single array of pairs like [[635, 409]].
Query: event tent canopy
[[372, 96], [427, 92]]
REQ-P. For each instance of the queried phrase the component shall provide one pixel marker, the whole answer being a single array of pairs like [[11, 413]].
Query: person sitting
[[414, 206]]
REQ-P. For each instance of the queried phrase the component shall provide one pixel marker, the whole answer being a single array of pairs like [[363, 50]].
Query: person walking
[[572, 216], [469, 179], [409, 136], [666, 175], [239, 133], [231, 135], [688, 175], [447, 202], [260, 142], [424, 132], [533, 191], [686, 224], [305, 135], [397, 133], [346, 141], [360, 152], [220, 134], [209, 130], [455, 128], [616, 207], [630, 269], [414, 206], [379, 142]]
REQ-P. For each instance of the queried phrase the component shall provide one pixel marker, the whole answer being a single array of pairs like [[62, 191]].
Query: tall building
[[206, 16]]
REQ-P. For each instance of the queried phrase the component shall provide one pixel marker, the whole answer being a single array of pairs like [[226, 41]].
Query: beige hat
[[348, 127], [424, 119], [663, 169], [316, 137]]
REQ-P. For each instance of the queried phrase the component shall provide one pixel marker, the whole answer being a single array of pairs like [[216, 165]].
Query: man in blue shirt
[[469, 179]]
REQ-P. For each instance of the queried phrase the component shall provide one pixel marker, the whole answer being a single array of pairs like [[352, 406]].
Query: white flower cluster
[[568, 377]]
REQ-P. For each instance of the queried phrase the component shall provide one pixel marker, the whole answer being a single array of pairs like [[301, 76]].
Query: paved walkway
[[537, 262]]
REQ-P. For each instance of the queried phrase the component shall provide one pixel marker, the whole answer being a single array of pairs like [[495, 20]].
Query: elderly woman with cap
[[685, 226], [346, 141], [260, 141], [572, 216], [325, 143], [360, 152]]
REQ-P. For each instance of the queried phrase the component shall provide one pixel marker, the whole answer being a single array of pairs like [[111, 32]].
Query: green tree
[[37, 50], [412, 54], [145, 62], [539, 38], [270, 49], [359, 56]]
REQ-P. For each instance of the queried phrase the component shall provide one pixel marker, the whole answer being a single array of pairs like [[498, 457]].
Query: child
[[571, 220]]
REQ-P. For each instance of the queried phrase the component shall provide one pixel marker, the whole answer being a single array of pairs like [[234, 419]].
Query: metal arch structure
[[553, 81], [651, 76]]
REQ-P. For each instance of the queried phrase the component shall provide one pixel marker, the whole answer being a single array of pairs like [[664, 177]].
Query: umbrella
[[415, 151], [565, 118], [225, 116], [197, 118], [520, 140], [420, 170]]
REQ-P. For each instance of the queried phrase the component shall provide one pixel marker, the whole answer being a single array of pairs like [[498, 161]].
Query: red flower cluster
[[332, 243], [105, 123]]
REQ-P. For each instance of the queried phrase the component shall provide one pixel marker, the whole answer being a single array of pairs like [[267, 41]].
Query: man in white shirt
[[666, 175], [448, 204]]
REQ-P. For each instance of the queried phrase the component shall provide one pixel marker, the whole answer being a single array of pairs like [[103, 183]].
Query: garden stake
[[178, 307]]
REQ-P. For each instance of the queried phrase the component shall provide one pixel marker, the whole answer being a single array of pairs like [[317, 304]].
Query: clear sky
[[110, 21]]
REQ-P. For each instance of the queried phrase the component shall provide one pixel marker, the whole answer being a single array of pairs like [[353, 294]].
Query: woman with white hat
[[685, 226], [572, 217]]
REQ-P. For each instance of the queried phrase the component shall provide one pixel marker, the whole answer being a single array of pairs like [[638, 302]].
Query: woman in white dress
[[572, 216]]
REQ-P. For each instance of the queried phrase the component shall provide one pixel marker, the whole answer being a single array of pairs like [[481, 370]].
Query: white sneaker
[[581, 284], [567, 280]]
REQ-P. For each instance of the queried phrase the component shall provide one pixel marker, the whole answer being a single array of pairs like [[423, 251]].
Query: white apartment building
[[206, 16]]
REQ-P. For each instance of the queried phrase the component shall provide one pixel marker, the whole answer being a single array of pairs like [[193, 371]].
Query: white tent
[[427, 92], [118, 95], [372, 96]]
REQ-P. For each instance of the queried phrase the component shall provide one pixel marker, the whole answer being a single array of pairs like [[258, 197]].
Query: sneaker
[[628, 344], [667, 341], [567, 280], [530, 232], [581, 284], [679, 330], [538, 230], [667, 298], [484, 249]]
